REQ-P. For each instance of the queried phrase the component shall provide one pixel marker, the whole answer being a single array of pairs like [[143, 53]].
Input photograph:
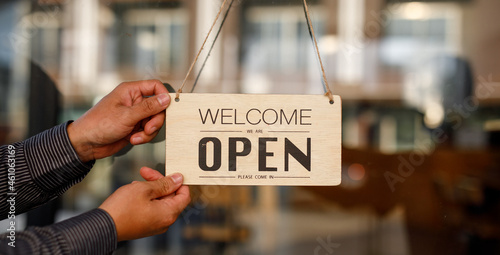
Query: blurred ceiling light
[[434, 115], [415, 11]]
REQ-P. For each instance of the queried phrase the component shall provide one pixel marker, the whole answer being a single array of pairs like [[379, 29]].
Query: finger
[[167, 196], [182, 198], [141, 137], [149, 107], [150, 174], [150, 87], [137, 129], [177, 201], [143, 122], [155, 123], [165, 186]]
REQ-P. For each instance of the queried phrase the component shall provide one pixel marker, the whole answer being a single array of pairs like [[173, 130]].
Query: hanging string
[[199, 52], [212, 47], [328, 92], [324, 81]]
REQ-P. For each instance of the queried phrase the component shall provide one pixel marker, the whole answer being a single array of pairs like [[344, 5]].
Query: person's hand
[[142, 209], [133, 112]]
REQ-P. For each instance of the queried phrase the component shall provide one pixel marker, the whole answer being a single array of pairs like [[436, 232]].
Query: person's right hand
[[142, 209]]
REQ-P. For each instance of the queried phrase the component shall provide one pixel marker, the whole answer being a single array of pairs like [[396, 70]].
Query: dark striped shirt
[[40, 169]]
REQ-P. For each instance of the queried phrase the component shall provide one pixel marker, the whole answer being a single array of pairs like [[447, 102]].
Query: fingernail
[[153, 129], [177, 178], [137, 140], [164, 99]]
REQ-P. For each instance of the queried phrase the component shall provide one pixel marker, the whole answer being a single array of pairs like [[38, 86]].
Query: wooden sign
[[243, 139]]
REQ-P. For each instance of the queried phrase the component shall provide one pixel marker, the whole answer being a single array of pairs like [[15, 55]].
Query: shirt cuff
[[54, 163], [93, 232]]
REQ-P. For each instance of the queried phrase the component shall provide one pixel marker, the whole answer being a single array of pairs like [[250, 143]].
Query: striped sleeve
[[54, 164], [35, 171], [44, 167], [90, 233]]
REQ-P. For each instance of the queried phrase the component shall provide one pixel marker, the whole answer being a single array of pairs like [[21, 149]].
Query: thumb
[[166, 185], [150, 174], [150, 106]]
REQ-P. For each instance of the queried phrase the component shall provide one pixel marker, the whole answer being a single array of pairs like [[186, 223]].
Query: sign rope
[[212, 47], [328, 92], [316, 49], [199, 52]]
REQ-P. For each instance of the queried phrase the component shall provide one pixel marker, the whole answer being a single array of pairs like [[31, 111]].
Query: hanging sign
[[242, 139]]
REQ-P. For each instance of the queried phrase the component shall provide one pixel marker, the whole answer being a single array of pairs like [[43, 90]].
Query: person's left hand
[[133, 112]]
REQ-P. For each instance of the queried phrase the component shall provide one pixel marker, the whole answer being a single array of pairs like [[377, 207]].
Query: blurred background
[[420, 82]]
